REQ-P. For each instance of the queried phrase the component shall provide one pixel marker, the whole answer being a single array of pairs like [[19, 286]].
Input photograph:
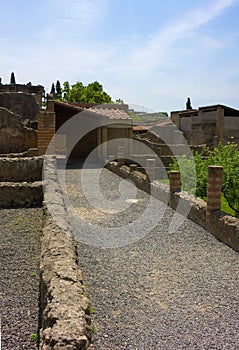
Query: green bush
[[226, 156]]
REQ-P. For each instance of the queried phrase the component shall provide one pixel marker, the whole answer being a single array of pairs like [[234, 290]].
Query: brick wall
[[46, 131]]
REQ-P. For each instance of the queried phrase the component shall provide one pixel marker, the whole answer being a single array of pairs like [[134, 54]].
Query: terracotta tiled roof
[[165, 123], [110, 113], [140, 128], [68, 105]]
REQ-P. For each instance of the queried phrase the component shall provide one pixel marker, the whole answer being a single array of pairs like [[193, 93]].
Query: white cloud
[[158, 48], [74, 18]]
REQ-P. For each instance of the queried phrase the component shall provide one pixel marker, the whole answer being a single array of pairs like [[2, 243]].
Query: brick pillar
[[150, 169], [50, 103], [104, 146], [174, 181], [130, 141], [120, 155], [214, 188], [99, 142], [46, 131]]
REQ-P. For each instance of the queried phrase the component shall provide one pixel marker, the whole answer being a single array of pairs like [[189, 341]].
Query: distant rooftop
[[110, 113]]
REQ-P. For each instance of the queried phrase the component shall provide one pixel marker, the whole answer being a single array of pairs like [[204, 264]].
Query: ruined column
[[150, 169], [130, 141], [104, 146], [214, 188], [99, 142], [120, 155], [174, 181]]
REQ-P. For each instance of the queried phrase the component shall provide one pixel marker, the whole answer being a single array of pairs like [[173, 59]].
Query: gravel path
[[20, 248], [164, 291]]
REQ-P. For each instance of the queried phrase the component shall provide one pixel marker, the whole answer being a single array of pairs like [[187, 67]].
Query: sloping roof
[[110, 113], [140, 128], [71, 106], [165, 123]]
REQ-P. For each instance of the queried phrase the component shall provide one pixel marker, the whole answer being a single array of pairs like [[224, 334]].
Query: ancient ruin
[[33, 136]]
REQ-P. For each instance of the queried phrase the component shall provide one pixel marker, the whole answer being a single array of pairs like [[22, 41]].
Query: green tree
[[53, 90], [92, 93], [66, 90], [119, 101], [58, 90]]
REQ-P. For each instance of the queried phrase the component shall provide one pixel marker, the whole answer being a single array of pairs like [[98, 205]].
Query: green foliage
[[92, 311], [119, 101], [53, 90], [66, 90], [93, 329], [58, 89], [34, 337], [186, 167], [226, 156], [134, 116], [91, 93]]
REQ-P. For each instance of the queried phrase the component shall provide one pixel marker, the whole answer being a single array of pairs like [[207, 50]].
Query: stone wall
[[20, 182], [224, 227], [35, 90], [208, 125], [232, 127], [21, 169], [14, 137], [24, 105], [65, 305], [21, 194]]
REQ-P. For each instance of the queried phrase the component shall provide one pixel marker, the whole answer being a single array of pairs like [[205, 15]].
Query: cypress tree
[[58, 89], [53, 91], [13, 80]]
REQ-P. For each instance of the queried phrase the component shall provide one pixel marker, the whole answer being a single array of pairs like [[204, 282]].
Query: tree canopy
[[78, 92]]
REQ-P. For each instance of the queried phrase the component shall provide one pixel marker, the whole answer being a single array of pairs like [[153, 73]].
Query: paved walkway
[[164, 291]]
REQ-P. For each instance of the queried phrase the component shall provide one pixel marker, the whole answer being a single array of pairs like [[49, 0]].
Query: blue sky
[[153, 53]]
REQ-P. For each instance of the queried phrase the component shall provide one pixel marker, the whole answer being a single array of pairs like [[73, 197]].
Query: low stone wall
[[20, 182], [66, 321], [16, 195], [21, 169], [224, 227]]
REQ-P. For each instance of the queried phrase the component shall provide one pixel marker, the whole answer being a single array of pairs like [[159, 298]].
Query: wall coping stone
[[66, 320], [224, 227]]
